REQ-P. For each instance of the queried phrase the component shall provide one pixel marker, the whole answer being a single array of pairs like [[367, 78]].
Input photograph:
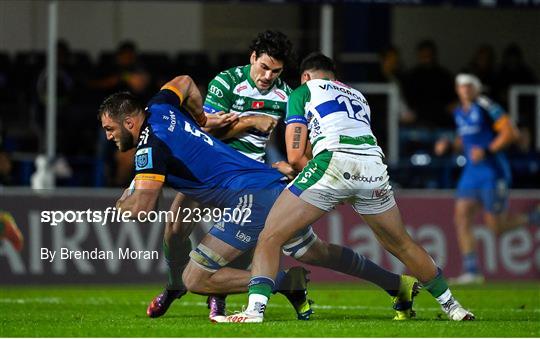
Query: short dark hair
[[318, 62], [119, 105], [275, 44]]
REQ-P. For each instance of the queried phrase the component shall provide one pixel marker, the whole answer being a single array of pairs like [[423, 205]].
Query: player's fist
[[265, 123], [477, 154], [441, 146], [284, 168]]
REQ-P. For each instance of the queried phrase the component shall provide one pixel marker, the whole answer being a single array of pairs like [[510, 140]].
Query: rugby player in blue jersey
[[172, 149], [484, 131]]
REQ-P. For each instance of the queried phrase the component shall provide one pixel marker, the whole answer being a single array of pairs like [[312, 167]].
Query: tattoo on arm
[[296, 137]]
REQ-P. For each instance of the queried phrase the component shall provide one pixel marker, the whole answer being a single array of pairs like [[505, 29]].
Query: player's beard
[[125, 142]]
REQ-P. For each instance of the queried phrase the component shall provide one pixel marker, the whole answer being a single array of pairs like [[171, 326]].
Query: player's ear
[[305, 77], [129, 123], [253, 57]]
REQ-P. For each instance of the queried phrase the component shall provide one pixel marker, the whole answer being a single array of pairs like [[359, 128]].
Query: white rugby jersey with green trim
[[337, 116], [233, 90]]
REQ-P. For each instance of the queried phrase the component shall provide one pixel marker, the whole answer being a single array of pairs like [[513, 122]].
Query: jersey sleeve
[[220, 94], [150, 160], [495, 112], [296, 105], [167, 95]]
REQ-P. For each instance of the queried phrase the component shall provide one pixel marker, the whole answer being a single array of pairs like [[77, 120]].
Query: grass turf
[[342, 310]]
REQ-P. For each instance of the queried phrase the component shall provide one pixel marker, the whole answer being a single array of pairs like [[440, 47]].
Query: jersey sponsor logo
[[143, 159], [359, 177], [308, 174], [238, 72], [279, 94], [239, 104], [241, 88], [327, 87], [257, 104], [216, 91], [172, 119], [242, 237], [209, 109], [220, 225], [223, 82]]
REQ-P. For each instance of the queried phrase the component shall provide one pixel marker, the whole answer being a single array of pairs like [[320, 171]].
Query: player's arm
[[190, 96], [262, 123], [507, 134], [296, 132], [143, 198], [296, 142], [443, 145]]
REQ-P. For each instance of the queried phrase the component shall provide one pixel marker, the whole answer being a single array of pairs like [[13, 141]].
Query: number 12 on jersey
[[353, 108]]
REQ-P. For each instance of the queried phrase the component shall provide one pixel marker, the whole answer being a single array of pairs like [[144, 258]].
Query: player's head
[[426, 53], [468, 87], [270, 52], [121, 116], [317, 66]]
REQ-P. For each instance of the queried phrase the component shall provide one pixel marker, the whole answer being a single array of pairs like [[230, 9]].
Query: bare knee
[[270, 237]]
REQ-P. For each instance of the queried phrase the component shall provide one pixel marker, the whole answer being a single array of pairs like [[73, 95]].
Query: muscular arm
[[190, 96], [144, 198], [262, 123], [296, 142], [507, 134]]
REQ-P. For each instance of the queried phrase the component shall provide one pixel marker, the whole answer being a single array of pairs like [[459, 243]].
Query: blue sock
[[352, 263], [279, 279], [470, 263]]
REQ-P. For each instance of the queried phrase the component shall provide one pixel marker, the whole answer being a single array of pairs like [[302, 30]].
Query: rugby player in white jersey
[[347, 167]]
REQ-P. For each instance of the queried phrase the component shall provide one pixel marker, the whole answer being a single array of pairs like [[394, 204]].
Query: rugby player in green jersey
[[243, 105], [346, 166]]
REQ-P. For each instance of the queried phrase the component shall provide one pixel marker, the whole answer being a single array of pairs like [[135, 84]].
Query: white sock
[[257, 304], [443, 298]]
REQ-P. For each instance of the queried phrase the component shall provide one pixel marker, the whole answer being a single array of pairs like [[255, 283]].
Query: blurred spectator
[[125, 73], [482, 65], [66, 82], [428, 89], [5, 168], [65, 79], [513, 70], [390, 68]]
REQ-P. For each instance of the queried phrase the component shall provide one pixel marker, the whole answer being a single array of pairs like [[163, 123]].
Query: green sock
[[261, 288], [437, 286]]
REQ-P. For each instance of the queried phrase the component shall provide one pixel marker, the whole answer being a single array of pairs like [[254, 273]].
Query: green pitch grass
[[344, 310]]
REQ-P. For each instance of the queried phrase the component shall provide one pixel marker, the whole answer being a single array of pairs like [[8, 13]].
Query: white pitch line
[[107, 300]]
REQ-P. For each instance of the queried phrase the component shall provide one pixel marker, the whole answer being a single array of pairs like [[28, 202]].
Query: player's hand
[[441, 146], [221, 119], [264, 123], [284, 168], [477, 154]]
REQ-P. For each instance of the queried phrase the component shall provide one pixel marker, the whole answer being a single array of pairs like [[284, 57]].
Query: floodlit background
[[105, 46]]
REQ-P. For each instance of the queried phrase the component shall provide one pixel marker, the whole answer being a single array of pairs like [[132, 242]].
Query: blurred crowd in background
[[427, 98]]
